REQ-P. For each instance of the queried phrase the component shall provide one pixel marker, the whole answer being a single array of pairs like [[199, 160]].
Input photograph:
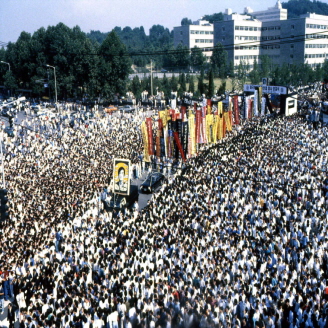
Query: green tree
[[201, 84], [186, 21], [174, 83], [114, 67], [266, 64], [197, 58], [136, 87], [182, 82], [210, 92], [214, 17], [254, 74], [219, 60], [191, 84], [222, 88]]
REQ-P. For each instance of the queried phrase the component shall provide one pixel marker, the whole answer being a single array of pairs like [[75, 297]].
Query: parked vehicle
[[127, 109], [110, 109], [153, 180]]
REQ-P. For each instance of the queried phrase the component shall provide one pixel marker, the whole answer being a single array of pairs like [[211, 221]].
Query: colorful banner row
[[176, 134]]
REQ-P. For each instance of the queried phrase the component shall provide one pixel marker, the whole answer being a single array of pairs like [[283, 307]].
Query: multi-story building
[[291, 41], [199, 34]]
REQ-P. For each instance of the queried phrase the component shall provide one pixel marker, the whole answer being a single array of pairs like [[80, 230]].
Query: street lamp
[[55, 81], [5, 63]]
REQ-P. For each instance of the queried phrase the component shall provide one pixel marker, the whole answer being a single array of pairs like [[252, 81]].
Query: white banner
[[256, 101], [266, 89], [263, 102]]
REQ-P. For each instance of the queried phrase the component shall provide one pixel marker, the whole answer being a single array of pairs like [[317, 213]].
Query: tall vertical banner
[[203, 122], [149, 124], [209, 128], [260, 100], [220, 121], [209, 106], [169, 139], [236, 109], [198, 125], [227, 120], [145, 141], [255, 105], [230, 111], [192, 135], [250, 108], [263, 103], [215, 127], [158, 138], [246, 107]]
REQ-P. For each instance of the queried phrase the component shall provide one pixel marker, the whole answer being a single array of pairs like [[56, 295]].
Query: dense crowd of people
[[239, 239]]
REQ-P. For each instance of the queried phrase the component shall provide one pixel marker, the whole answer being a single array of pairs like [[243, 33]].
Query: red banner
[[236, 109], [224, 126], [250, 109], [183, 113], [177, 140], [149, 124], [158, 138]]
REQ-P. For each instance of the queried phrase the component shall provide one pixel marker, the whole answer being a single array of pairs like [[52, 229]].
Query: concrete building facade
[[199, 34]]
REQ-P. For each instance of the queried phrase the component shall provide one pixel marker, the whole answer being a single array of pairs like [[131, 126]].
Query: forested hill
[[300, 7]]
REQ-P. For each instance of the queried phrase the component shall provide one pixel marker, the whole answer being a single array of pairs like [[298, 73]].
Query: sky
[[17, 16]]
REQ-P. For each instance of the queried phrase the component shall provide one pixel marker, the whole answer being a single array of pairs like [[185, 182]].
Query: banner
[[121, 176], [215, 128], [170, 147], [178, 143], [255, 103], [192, 135], [158, 138], [209, 128], [209, 106], [198, 125], [263, 103], [149, 124], [220, 121], [227, 121], [250, 108], [236, 109], [145, 141], [246, 108]]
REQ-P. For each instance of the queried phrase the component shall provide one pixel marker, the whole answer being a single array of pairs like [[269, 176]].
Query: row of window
[[277, 46], [252, 57], [316, 36], [316, 56], [255, 38], [255, 28], [321, 27], [316, 45], [200, 32], [203, 41], [246, 57]]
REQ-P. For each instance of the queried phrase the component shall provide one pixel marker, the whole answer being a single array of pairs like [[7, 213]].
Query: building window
[[292, 27], [292, 45], [223, 28], [237, 28], [291, 56], [181, 32]]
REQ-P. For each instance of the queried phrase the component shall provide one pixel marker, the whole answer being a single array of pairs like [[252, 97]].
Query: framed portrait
[[121, 176]]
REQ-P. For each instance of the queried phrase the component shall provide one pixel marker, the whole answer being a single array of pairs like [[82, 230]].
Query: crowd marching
[[239, 239]]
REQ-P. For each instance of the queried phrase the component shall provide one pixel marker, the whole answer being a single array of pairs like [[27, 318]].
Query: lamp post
[[55, 82]]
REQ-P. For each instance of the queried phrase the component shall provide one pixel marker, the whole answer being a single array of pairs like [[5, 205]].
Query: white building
[[199, 34], [290, 41], [271, 14]]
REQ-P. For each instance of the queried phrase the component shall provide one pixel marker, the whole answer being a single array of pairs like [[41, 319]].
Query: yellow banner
[[220, 122], [163, 117], [215, 128], [192, 133], [227, 121], [209, 127], [145, 140]]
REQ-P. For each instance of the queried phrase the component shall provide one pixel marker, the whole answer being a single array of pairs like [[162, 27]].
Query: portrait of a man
[[121, 176]]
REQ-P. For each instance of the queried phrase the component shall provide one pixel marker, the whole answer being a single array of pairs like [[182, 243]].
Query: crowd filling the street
[[237, 237]]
